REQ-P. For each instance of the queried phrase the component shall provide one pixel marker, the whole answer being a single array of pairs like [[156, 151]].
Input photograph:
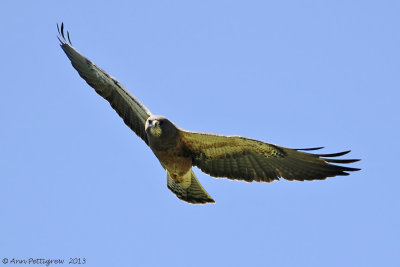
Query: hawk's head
[[161, 131]]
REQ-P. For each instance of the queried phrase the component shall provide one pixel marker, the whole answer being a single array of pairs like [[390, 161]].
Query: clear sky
[[76, 182]]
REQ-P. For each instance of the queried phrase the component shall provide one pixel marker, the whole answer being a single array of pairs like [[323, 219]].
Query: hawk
[[178, 150]]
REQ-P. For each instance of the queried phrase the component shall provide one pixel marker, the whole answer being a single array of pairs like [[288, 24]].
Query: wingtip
[[61, 35], [338, 154], [62, 30], [309, 149], [342, 160], [69, 40]]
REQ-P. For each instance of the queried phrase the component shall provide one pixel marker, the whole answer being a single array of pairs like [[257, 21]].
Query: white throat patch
[[156, 131]]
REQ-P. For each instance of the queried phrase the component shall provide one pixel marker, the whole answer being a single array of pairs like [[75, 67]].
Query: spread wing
[[246, 159], [126, 105]]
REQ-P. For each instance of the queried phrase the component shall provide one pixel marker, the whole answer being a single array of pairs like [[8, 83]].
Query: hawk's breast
[[175, 160]]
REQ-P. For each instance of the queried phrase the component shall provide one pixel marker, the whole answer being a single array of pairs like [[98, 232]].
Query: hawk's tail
[[189, 189]]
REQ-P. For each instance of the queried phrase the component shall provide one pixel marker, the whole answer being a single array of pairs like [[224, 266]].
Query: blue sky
[[76, 182]]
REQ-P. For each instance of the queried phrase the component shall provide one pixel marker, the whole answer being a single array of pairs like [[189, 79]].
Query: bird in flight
[[178, 150]]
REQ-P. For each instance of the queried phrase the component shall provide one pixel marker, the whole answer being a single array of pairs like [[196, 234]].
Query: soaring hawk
[[232, 157]]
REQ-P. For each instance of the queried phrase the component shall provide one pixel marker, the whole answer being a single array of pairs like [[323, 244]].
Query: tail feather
[[189, 189]]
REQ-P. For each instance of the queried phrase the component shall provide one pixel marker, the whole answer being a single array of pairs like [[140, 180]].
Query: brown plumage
[[232, 157]]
